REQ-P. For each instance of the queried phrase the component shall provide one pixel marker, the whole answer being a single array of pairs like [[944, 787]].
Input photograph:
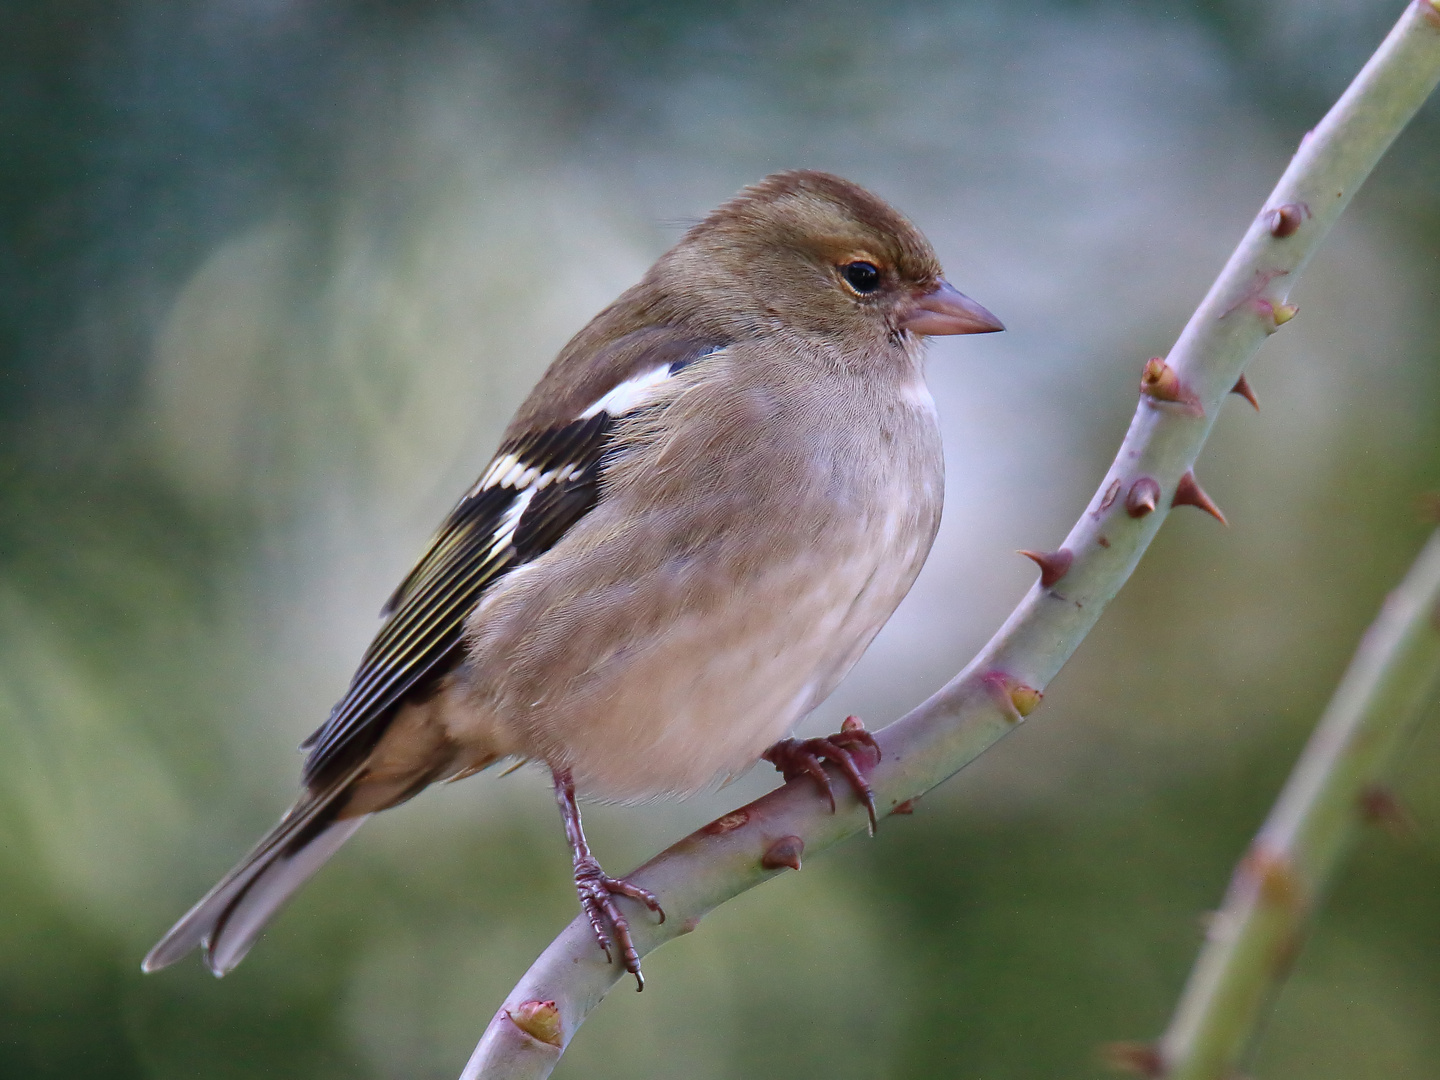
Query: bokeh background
[[273, 274]]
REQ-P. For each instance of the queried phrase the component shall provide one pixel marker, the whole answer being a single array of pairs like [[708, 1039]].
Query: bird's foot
[[597, 889], [802, 757], [597, 896]]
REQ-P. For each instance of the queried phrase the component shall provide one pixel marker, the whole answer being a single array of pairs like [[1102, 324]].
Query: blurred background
[[275, 272]]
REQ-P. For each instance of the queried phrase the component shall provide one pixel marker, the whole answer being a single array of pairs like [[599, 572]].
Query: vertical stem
[[1282, 878]]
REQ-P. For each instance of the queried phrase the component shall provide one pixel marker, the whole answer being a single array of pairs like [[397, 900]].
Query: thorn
[[1284, 220], [727, 823], [906, 807], [1143, 498], [1284, 313], [1379, 806], [1014, 696], [783, 852], [1053, 564], [1103, 540], [1026, 699], [1254, 296], [1274, 875], [1242, 387], [689, 925], [538, 1019], [1160, 382], [1136, 1058], [852, 724], [1189, 493]]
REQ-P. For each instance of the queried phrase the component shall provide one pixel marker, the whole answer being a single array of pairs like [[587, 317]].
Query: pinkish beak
[[946, 310]]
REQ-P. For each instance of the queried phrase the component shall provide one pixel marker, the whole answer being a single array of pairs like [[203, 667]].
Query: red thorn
[[1242, 387], [1379, 806], [1053, 564], [1285, 220], [783, 852], [1160, 383], [1103, 540], [1189, 493], [1137, 1058], [906, 807], [852, 723], [1143, 498]]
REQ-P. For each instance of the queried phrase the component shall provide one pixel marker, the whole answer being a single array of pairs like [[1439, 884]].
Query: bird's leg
[[802, 757], [597, 891]]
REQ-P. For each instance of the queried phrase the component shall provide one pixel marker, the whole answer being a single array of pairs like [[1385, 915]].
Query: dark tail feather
[[228, 919]]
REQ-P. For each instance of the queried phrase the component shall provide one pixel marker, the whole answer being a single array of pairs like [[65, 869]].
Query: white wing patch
[[517, 477], [513, 472], [501, 467], [505, 527], [509, 471], [630, 394]]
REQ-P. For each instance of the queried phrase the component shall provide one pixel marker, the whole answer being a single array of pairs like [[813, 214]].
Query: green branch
[[1178, 404], [1278, 884]]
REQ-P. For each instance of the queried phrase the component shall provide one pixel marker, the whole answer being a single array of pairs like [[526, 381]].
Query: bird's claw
[[802, 757], [597, 897]]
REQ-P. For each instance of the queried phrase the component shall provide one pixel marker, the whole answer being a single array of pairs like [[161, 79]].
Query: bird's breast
[[671, 644]]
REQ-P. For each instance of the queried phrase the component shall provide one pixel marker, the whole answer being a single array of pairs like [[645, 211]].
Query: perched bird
[[694, 526]]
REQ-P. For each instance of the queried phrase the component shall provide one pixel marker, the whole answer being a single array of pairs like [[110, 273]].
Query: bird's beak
[[946, 310]]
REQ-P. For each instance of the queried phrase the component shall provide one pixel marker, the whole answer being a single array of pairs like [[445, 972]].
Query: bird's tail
[[228, 919]]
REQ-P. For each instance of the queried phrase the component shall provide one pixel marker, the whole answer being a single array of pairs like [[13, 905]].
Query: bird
[[695, 524]]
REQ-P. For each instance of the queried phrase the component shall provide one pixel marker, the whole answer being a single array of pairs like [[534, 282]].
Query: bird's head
[[810, 252]]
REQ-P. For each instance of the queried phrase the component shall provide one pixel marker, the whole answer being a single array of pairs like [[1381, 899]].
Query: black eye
[[863, 277]]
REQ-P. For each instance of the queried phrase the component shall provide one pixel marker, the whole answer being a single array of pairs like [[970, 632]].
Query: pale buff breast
[[655, 654], [702, 701]]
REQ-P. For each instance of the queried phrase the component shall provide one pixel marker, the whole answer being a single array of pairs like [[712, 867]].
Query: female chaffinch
[[694, 526]]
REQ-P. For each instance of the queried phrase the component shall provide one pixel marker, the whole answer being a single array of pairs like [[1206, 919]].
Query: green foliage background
[[272, 276]]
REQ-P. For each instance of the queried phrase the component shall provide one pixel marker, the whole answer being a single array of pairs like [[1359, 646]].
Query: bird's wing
[[538, 485]]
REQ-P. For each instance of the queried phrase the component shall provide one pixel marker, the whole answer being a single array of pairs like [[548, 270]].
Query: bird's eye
[[863, 277]]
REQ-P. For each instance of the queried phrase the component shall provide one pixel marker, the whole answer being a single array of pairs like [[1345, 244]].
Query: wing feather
[[550, 479]]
